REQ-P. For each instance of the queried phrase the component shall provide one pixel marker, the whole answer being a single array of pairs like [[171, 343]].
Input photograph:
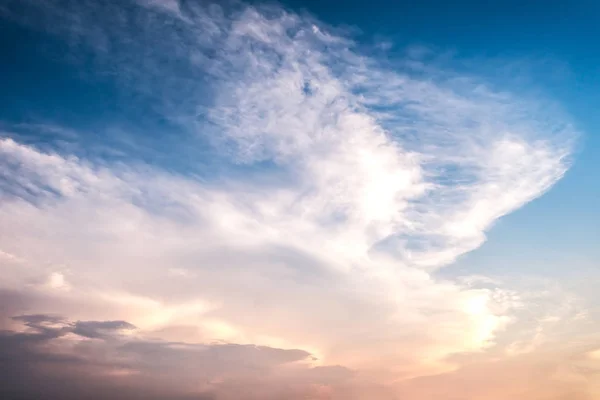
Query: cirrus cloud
[[338, 183]]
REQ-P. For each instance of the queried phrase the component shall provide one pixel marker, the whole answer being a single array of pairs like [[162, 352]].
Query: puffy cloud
[[299, 296]]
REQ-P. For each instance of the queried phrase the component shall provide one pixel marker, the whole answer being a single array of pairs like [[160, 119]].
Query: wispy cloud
[[339, 182]]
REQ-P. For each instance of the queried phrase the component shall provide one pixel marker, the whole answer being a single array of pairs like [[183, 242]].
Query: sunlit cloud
[[302, 262]]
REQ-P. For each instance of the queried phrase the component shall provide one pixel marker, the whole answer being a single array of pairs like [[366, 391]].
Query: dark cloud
[[55, 358], [50, 327], [100, 329]]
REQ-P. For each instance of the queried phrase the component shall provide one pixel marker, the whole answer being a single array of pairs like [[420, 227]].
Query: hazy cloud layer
[[284, 241]]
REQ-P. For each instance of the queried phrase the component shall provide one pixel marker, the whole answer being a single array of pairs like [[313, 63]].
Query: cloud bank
[[284, 241]]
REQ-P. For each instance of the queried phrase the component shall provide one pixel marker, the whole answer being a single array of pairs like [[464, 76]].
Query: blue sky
[[249, 200], [550, 45], [555, 44]]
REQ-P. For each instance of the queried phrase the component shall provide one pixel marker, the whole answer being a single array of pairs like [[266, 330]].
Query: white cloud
[[358, 181], [57, 281]]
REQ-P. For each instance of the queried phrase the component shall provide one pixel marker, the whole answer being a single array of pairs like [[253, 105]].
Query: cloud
[[136, 367], [56, 353], [552, 374], [98, 329], [226, 245], [297, 216], [51, 327]]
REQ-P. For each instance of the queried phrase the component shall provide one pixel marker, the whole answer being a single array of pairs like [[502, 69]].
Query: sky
[[301, 200]]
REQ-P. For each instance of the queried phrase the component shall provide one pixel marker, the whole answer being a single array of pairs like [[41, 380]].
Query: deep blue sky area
[[565, 32], [557, 39]]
